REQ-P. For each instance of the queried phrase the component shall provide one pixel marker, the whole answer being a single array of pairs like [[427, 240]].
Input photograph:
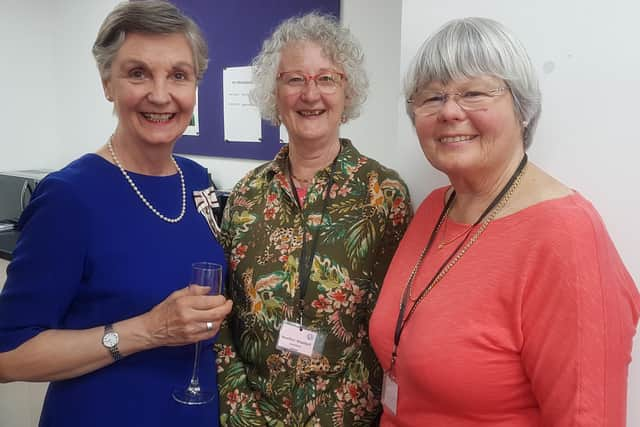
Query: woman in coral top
[[506, 303]]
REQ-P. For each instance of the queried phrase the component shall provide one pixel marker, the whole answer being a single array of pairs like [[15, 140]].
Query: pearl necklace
[[141, 196]]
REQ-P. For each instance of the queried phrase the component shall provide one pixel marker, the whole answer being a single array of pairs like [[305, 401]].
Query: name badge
[[390, 393], [297, 339]]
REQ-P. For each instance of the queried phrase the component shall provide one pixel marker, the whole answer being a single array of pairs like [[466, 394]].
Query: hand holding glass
[[203, 274]]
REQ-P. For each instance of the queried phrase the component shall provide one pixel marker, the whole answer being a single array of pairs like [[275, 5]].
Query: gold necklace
[[444, 243], [471, 241], [303, 181], [310, 180]]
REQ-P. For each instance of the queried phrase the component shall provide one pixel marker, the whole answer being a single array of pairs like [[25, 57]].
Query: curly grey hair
[[337, 43], [152, 17], [469, 47]]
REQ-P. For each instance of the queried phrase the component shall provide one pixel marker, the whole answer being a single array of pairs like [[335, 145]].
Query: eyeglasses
[[429, 103], [296, 81]]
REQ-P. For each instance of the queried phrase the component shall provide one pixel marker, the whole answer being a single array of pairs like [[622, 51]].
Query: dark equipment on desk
[[16, 188]]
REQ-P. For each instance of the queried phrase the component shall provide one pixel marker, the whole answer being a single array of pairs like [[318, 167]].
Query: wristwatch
[[110, 340]]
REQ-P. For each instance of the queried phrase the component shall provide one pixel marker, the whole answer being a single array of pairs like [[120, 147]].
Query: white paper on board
[[242, 121]]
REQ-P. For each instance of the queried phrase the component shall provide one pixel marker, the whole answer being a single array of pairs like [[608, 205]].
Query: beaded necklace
[[141, 196], [487, 216]]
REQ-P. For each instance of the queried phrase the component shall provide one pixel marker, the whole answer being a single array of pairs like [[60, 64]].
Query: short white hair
[[470, 47]]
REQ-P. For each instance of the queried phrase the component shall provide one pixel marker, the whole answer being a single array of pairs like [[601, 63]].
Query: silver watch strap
[[115, 353]]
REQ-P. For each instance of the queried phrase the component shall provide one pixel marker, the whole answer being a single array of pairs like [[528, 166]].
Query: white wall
[[30, 134], [377, 26], [54, 109], [84, 118]]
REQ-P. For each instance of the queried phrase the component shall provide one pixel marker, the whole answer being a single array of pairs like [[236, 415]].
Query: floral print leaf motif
[[326, 273], [340, 208], [358, 372], [360, 237], [262, 296], [237, 373], [251, 292], [254, 339], [338, 329], [242, 220], [262, 232], [240, 414], [236, 255], [291, 267], [259, 183], [358, 232]]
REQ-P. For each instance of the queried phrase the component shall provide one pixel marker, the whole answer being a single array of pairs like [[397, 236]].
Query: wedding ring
[[209, 326]]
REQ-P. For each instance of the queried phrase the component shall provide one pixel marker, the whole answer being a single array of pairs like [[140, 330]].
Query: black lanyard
[[402, 322], [306, 261]]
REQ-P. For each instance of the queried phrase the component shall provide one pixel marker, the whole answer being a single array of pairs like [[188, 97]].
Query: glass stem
[[194, 384]]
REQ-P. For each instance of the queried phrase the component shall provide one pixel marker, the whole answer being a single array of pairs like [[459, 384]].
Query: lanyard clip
[[300, 313], [394, 356]]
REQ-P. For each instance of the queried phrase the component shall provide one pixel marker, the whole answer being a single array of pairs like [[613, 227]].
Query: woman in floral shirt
[[309, 237]]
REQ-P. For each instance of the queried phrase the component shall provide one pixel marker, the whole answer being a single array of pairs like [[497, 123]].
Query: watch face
[[110, 339]]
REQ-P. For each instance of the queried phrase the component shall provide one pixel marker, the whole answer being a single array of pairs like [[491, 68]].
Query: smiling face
[[153, 87], [311, 117], [469, 143]]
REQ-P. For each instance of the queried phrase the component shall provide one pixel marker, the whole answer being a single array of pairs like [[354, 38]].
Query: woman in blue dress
[[96, 299]]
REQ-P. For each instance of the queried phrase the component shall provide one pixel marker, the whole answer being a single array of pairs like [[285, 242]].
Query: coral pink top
[[532, 327]]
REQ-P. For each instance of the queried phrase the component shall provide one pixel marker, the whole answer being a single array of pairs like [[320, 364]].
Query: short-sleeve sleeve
[[47, 265]]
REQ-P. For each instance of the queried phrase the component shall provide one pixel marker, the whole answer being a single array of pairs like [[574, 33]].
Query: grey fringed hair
[[469, 47], [337, 43]]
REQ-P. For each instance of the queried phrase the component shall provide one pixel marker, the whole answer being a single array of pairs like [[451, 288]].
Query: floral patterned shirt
[[367, 211]]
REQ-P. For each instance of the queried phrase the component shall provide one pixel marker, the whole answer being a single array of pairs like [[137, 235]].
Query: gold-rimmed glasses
[[327, 82], [428, 103]]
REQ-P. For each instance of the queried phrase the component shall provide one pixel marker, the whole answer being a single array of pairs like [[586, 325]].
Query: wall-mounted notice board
[[235, 30]]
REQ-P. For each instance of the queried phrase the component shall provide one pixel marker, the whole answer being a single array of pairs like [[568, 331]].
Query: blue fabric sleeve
[[47, 265]]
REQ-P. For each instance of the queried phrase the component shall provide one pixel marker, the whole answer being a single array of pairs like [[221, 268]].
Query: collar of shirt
[[349, 157]]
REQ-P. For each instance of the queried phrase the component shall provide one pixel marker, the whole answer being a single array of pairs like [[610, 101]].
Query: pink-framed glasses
[[326, 81]]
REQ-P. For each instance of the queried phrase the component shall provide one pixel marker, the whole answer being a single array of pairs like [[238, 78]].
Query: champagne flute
[[203, 274]]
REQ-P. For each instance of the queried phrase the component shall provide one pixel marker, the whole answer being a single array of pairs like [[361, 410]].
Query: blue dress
[[92, 253]]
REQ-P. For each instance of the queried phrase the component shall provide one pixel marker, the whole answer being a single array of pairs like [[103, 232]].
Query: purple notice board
[[235, 30]]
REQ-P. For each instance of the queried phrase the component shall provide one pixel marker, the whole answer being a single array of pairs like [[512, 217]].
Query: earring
[[343, 118], [278, 120], [525, 123]]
